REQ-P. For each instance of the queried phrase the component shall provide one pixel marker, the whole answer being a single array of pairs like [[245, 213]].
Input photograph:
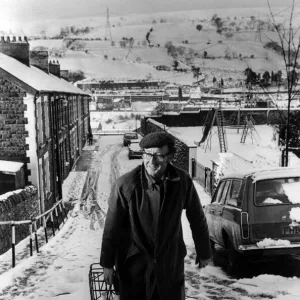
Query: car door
[[218, 213], [232, 212], [210, 210]]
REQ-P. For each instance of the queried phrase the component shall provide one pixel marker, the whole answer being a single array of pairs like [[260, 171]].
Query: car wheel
[[234, 258]]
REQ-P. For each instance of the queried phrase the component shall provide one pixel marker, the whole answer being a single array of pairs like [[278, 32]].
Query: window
[[218, 193], [277, 191], [234, 197], [225, 192], [40, 123]]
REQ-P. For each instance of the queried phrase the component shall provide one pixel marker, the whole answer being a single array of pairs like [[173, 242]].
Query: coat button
[[154, 261]]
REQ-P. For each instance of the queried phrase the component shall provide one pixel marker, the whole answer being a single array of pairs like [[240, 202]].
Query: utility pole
[[107, 28]]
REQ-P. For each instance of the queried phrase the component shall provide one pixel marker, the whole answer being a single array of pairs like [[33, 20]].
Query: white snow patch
[[267, 242], [295, 214], [292, 191]]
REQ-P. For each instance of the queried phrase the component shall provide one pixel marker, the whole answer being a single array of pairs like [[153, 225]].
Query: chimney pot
[[14, 39], [2, 39], [8, 39], [20, 39]]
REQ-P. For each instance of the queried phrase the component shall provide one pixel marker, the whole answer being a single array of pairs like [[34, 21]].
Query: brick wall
[[16, 48], [17, 207], [12, 122]]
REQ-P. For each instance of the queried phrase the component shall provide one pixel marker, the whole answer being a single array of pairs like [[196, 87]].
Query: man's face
[[157, 160]]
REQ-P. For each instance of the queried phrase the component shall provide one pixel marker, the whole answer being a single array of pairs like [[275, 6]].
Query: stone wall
[[12, 122], [181, 158], [17, 207]]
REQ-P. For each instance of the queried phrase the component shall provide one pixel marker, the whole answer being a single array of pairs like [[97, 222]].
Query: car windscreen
[[277, 191]]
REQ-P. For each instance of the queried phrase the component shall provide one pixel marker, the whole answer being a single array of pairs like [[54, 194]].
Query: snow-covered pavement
[[60, 270]]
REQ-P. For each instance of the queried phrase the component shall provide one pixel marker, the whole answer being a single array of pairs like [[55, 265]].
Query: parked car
[[134, 151], [129, 137], [162, 68], [254, 214]]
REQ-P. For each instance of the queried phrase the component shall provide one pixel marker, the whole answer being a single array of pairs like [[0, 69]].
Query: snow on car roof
[[266, 173], [36, 78]]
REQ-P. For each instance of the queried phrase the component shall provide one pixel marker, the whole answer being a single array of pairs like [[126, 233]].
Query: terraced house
[[43, 121]]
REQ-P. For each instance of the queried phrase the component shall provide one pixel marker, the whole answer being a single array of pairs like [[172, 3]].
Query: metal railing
[[52, 214]]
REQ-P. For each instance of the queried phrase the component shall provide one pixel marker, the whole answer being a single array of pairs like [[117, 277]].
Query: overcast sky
[[40, 9]]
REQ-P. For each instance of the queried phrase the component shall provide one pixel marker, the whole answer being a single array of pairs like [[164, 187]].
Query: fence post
[[52, 223], [63, 210], [30, 239], [45, 229], [56, 217], [36, 237], [60, 208], [211, 182], [205, 178], [13, 244]]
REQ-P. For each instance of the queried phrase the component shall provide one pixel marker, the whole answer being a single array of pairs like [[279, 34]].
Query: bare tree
[[290, 50]]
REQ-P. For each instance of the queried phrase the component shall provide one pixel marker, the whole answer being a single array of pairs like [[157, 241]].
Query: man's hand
[[108, 275], [202, 263]]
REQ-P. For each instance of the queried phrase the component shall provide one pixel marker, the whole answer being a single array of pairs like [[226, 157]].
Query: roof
[[10, 166], [265, 173], [36, 78]]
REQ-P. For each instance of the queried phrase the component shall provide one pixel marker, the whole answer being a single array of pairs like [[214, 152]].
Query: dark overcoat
[[126, 246]]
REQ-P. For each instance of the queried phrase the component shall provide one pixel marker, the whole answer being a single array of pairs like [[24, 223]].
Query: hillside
[[238, 45]]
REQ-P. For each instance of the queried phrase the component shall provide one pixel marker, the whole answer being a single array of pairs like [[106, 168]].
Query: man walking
[[142, 236]]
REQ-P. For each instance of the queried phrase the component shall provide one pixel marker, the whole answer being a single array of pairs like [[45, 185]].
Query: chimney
[[16, 49], [39, 59], [64, 74], [20, 39], [54, 68]]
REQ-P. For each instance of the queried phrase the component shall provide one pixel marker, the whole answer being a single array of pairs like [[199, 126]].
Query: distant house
[[43, 118]]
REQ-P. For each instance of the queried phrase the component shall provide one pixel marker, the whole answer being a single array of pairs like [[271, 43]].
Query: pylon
[[107, 28]]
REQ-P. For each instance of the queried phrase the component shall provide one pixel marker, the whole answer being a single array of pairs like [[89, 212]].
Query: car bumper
[[293, 248]]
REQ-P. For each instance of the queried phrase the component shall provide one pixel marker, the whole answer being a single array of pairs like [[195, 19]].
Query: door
[[210, 210]]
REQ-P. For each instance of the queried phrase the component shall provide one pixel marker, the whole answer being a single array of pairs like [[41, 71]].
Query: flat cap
[[156, 139]]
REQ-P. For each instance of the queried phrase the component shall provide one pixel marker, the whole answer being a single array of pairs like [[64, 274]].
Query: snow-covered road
[[60, 270]]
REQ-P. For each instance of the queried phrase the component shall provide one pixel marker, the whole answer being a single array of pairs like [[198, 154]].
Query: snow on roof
[[10, 166], [36, 78]]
